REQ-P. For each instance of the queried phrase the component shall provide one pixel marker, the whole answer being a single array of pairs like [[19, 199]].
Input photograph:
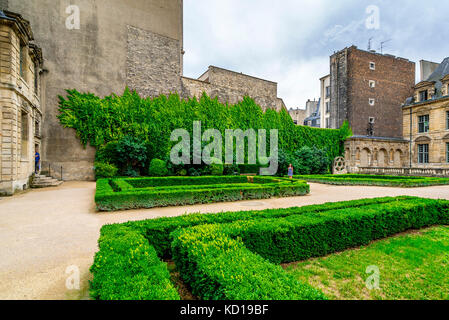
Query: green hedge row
[[158, 231], [119, 194], [218, 267], [375, 180], [220, 262], [128, 268]]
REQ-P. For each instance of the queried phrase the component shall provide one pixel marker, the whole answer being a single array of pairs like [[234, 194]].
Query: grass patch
[[413, 266], [375, 180], [126, 193]]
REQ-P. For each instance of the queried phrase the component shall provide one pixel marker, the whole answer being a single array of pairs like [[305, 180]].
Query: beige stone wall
[[17, 96], [298, 115], [96, 58], [232, 87], [438, 134]]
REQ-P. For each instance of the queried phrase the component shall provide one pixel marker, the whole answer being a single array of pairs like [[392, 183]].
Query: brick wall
[[350, 81]]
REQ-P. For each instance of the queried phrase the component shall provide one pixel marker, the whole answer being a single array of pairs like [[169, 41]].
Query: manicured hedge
[[219, 262], [222, 256], [375, 180], [218, 267], [128, 268], [122, 194], [158, 231]]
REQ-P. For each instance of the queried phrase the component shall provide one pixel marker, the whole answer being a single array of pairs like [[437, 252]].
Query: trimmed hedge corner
[[122, 194]]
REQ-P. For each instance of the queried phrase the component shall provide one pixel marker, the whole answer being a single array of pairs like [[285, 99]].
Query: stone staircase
[[41, 181]]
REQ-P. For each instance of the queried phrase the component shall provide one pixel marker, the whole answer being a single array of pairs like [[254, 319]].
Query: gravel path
[[43, 232]]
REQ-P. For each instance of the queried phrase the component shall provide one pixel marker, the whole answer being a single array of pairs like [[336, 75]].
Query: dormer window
[[423, 95]]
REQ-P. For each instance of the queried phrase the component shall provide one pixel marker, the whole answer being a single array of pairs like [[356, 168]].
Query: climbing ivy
[[101, 120]]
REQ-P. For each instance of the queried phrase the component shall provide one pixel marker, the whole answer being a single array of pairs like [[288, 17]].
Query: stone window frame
[[447, 152], [372, 65], [372, 102], [447, 119], [423, 129], [423, 153], [24, 154], [372, 84]]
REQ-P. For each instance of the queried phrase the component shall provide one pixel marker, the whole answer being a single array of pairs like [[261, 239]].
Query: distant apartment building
[[307, 116], [325, 92], [314, 114], [298, 115], [367, 89]]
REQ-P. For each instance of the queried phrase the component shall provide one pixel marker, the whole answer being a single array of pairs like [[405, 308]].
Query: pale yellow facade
[[20, 110]]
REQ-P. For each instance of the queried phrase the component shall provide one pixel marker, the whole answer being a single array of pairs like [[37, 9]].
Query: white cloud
[[290, 41]]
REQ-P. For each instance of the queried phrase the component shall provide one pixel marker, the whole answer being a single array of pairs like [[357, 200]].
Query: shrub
[[131, 155], [158, 168], [216, 168], [105, 170]]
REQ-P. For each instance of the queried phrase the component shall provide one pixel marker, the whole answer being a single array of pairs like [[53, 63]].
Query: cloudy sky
[[290, 41]]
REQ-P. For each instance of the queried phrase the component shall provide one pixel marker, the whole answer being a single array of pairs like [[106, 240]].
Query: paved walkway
[[43, 232]]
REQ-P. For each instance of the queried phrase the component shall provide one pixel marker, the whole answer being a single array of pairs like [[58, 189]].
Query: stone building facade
[[229, 86], [20, 96], [101, 47], [381, 152], [298, 115], [426, 120], [368, 89], [325, 92]]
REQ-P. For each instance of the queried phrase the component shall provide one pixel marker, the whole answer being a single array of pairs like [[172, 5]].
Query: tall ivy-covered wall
[[101, 120]]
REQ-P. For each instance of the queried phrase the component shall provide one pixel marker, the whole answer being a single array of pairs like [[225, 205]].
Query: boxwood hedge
[[375, 180], [121, 193], [231, 255], [224, 261]]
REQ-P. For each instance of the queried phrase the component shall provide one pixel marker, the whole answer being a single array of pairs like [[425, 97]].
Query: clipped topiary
[[105, 170], [158, 168]]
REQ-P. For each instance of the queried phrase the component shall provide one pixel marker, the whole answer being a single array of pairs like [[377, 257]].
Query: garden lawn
[[413, 266], [375, 180]]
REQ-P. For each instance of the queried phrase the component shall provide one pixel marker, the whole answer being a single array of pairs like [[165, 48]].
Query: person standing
[[290, 171], [37, 159]]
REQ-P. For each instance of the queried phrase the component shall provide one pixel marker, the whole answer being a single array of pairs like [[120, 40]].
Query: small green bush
[[131, 156], [158, 168], [216, 168], [105, 170]]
